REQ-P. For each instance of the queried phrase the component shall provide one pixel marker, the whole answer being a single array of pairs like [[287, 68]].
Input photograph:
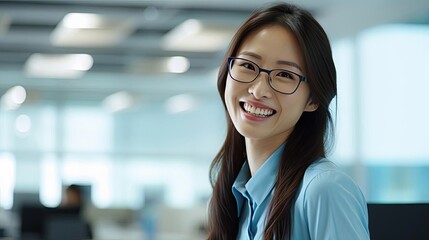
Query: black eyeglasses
[[280, 80]]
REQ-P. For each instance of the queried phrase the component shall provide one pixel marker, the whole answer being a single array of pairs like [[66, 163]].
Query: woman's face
[[271, 47]]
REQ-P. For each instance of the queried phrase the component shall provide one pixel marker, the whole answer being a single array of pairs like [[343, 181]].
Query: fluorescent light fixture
[[13, 98], [189, 28], [196, 36], [82, 21], [176, 64], [23, 123], [118, 101], [90, 30], [58, 65], [181, 103]]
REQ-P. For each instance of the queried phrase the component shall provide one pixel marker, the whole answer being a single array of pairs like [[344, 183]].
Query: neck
[[258, 152]]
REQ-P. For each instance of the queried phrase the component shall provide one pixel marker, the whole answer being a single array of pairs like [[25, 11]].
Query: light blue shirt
[[328, 205]]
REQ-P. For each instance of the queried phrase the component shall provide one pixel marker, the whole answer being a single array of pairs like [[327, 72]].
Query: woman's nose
[[260, 88]]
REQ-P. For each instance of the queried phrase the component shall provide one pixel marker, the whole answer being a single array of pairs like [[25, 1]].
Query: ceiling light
[[196, 36], [178, 64], [118, 101], [82, 21], [181, 103], [17, 95], [189, 27], [23, 123], [90, 30], [13, 98], [58, 65], [156, 65]]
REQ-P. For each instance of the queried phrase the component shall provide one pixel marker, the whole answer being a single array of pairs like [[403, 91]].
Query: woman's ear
[[311, 106]]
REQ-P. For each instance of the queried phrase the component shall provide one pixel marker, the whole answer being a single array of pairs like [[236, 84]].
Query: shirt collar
[[260, 185], [238, 188]]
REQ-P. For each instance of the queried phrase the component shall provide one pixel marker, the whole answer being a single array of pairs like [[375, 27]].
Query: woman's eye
[[248, 66], [285, 75]]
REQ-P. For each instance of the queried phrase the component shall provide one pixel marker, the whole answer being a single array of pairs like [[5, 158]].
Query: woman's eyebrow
[[251, 54], [289, 63], [284, 62]]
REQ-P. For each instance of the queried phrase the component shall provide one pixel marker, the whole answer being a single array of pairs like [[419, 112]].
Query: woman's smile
[[256, 111]]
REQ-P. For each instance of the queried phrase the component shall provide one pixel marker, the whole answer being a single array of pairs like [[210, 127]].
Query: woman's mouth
[[257, 111]]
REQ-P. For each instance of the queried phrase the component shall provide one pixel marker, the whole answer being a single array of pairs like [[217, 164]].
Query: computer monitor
[[25, 199], [398, 221], [34, 220]]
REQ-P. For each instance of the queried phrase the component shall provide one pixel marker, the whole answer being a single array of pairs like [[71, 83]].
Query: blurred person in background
[[74, 198], [271, 178]]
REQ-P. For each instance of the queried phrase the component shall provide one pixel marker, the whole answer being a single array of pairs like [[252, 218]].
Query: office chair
[[399, 221], [65, 228]]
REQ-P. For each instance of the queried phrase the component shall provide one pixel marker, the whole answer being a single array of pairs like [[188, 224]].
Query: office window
[[382, 117]]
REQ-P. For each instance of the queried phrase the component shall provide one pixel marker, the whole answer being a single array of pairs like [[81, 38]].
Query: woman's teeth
[[260, 112]]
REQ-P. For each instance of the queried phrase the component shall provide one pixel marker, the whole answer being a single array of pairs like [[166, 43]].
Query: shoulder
[[330, 204], [322, 167], [326, 186], [324, 178]]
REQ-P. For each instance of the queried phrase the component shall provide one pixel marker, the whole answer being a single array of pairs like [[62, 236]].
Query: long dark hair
[[309, 140]]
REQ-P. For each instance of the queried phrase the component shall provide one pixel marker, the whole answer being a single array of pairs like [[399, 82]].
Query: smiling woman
[[259, 95], [271, 179]]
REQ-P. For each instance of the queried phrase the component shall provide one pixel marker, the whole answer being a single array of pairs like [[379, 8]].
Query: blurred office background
[[119, 96]]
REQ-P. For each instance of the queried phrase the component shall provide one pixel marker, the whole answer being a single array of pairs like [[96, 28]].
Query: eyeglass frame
[[268, 72]]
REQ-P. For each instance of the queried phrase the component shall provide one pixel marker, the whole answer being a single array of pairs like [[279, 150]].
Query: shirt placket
[[251, 226]]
